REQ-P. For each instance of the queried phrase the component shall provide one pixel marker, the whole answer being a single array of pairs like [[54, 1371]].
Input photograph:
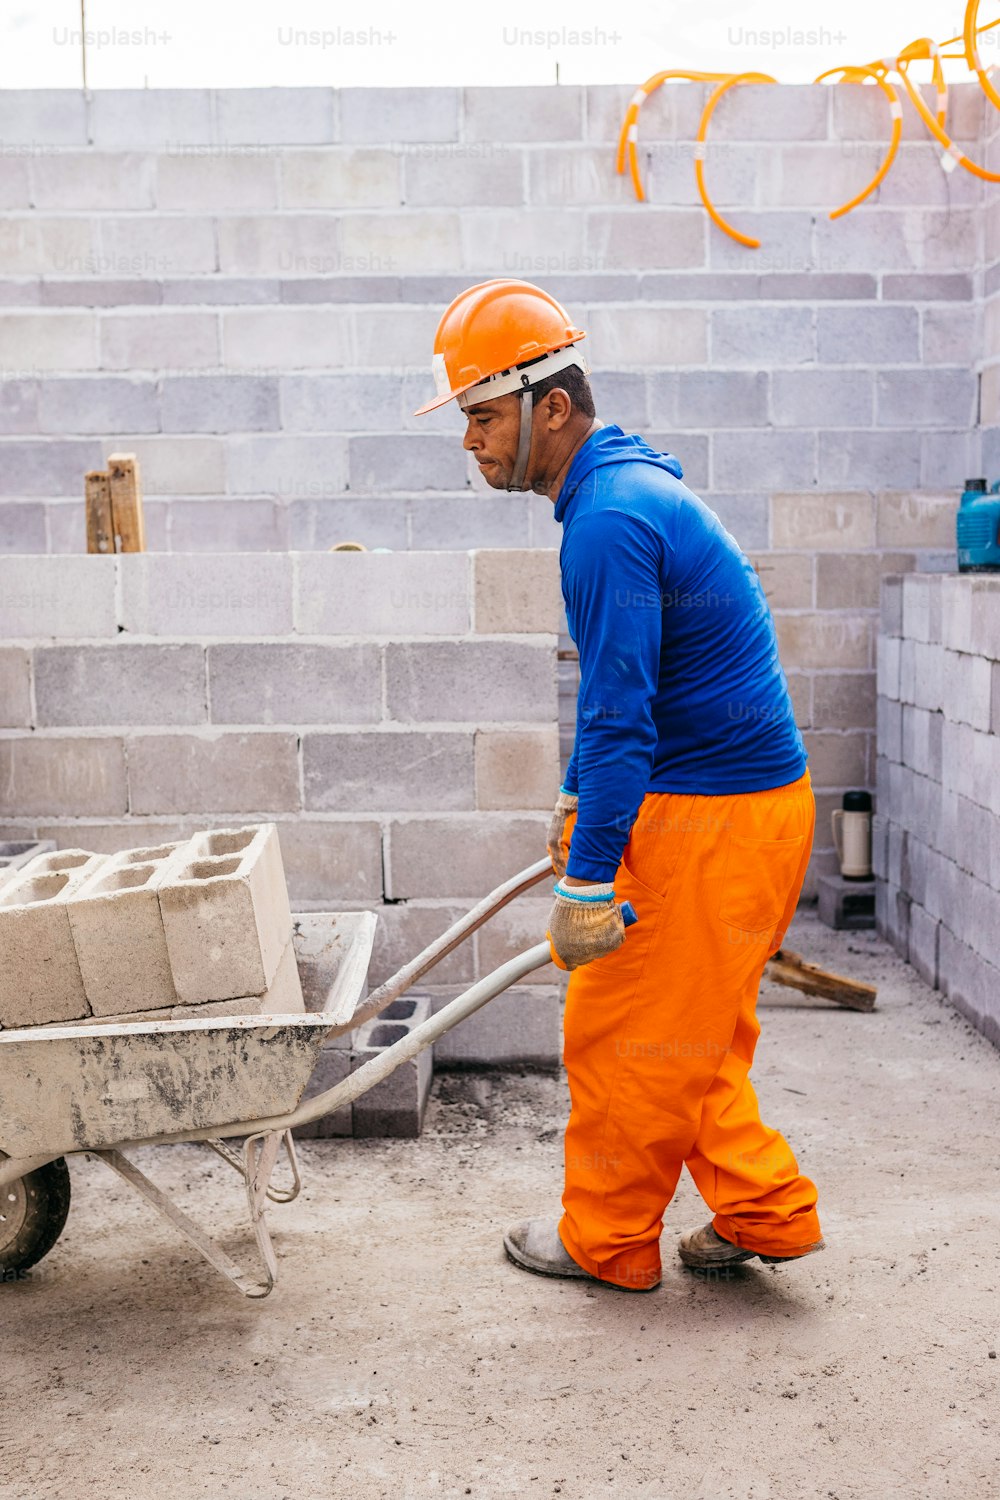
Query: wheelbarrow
[[101, 1090]]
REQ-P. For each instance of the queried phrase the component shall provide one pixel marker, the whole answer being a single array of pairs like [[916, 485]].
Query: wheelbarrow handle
[[449, 940]]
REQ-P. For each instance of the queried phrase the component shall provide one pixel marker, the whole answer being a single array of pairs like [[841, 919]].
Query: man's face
[[491, 437]]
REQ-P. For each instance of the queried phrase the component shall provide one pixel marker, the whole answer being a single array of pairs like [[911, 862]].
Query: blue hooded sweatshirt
[[681, 689]]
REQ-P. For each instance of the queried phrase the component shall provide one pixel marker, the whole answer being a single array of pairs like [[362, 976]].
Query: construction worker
[[687, 794]]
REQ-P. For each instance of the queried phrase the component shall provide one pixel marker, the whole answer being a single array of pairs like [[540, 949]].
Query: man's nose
[[469, 441]]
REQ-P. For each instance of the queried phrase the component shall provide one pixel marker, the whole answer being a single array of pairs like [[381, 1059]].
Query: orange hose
[[628, 136], [970, 38], [858, 75], [699, 154], [952, 153]]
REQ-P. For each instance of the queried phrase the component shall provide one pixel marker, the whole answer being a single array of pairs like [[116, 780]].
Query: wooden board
[[791, 969], [100, 531], [126, 502]]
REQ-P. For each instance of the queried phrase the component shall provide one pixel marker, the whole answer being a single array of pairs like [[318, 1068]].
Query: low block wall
[[395, 715], [937, 829]]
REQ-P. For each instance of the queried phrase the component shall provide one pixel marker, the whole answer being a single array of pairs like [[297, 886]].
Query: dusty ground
[[401, 1356]]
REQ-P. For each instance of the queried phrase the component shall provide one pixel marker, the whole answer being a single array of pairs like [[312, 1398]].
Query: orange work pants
[[660, 1035]]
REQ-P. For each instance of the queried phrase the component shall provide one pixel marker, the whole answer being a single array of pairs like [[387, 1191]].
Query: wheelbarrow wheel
[[33, 1212]]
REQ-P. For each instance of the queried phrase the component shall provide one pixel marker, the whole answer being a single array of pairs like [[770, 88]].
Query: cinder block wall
[[937, 830], [394, 715], [242, 286]]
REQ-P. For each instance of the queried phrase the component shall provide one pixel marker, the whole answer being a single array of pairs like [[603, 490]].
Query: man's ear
[[558, 408]]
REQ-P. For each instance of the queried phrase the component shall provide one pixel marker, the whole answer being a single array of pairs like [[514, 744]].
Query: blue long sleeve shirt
[[681, 689]]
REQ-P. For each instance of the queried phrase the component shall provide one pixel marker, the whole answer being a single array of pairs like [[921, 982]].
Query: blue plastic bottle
[[977, 528]]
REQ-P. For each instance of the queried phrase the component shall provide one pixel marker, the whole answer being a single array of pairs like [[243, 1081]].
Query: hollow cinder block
[[394, 1107], [225, 914], [40, 980], [283, 997], [118, 932], [16, 853], [332, 1067]]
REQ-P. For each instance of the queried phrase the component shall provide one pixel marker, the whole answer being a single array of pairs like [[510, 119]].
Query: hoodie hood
[[609, 445]]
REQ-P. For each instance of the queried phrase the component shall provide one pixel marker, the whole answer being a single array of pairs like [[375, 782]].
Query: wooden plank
[[100, 532], [126, 502], [791, 969]]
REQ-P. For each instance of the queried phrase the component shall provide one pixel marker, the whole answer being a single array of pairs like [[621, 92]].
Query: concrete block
[[218, 182], [837, 759], [395, 1107], [332, 861], [844, 700], [887, 335], [474, 521], [286, 338], [822, 522], [973, 983], [178, 465], [365, 177], [239, 594], [19, 412], [40, 981], [15, 688], [924, 936], [225, 914], [984, 633], [621, 396], [459, 177], [470, 681], [93, 180], [821, 398], [823, 641], [47, 246], [97, 405], [848, 580], [889, 729], [921, 287], [956, 613], [642, 237], [891, 605], [57, 341], [523, 113], [332, 1066], [219, 403], [237, 525], [224, 773], [580, 174], [771, 456], [870, 459], [114, 916], [135, 118], [848, 905], [158, 245], [317, 525], [406, 462], [459, 856], [291, 683], [745, 517], [517, 768], [398, 595], [754, 336], [81, 777], [399, 114], [648, 336], [43, 117], [520, 1028], [250, 116], [120, 684], [47, 466], [285, 244], [713, 398], [102, 291], [926, 398], [160, 339], [947, 333], [15, 187], [880, 845], [398, 243], [357, 402], [402, 771]]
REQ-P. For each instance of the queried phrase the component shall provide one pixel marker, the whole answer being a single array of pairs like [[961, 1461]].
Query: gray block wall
[[394, 715], [936, 834], [242, 287]]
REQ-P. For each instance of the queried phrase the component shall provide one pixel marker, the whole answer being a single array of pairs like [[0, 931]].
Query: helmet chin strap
[[523, 444]]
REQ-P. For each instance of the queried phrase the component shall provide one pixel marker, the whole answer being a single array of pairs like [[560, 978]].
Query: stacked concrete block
[[227, 924], [40, 979], [16, 853], [394, 1107], [118, 934], [937, 828]]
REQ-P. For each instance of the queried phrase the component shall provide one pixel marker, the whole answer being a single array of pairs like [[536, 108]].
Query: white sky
[[239, 43]]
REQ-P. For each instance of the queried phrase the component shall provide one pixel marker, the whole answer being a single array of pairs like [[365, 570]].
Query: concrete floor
[[401, 1355]]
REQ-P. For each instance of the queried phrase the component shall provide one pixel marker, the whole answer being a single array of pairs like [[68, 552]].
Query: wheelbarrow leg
[[276, 1195], [193, 1233]]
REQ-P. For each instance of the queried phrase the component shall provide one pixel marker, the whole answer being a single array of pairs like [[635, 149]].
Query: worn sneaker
[[704, 1250], [535, 1244]]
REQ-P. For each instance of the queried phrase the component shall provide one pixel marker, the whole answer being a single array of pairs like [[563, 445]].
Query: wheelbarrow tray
[[71, 1088]]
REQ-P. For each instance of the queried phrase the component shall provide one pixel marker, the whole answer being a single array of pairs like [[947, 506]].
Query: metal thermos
[[852, 835]]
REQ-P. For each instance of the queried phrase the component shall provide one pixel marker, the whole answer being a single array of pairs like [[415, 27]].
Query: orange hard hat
[[490, 332]]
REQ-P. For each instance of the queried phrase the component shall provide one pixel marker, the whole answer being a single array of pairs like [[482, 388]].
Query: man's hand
[[564, 810], [584, 924]]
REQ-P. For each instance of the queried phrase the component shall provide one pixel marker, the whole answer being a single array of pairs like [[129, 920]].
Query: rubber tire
[[48, 1208]]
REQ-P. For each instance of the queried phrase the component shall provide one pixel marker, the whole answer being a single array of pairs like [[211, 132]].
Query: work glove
[[584, 924], [565, 812]]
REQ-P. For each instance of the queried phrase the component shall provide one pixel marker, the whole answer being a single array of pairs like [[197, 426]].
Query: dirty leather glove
[[584, 924], [565, 809]]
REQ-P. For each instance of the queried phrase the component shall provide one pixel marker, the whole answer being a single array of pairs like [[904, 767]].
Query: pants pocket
[[758, 877]]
